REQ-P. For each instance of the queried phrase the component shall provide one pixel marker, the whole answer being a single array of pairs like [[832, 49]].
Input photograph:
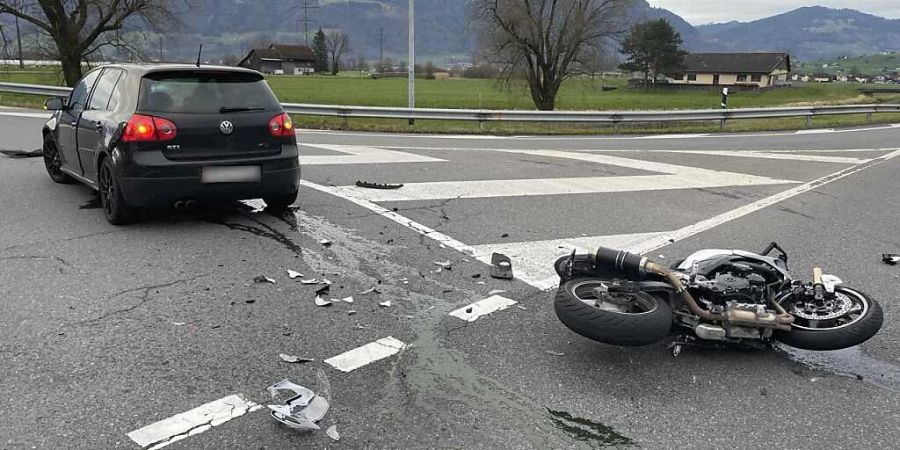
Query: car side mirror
[[55, 104]]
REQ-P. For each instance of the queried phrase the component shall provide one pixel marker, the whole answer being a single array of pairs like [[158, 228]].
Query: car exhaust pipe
[[639, 265]]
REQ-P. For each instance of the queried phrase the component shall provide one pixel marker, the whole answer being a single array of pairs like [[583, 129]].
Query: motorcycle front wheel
[[631, 319], [848, 319]]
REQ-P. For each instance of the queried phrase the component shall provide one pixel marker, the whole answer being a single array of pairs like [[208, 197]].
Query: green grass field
[[577, 94]]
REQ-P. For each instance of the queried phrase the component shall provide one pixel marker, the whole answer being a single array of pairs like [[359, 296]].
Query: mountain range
[[232, 27]]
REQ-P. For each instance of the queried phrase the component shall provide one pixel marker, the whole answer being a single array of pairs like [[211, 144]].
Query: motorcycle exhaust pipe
[[630, 263]]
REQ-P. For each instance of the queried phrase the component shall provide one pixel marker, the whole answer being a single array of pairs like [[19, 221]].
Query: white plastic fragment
[[304, 408], [325, 242], [385, 304], [324, 281], [446, 265], [497, 291], [322, 302], [263, 279], [291, 359], [294, 274], [369, 291], [333, 433], [551, 352], [347, 299]]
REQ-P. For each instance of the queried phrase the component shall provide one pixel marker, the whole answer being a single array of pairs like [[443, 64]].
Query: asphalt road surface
[[156, 333]]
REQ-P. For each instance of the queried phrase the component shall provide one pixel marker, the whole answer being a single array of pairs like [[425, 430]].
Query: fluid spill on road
[[851, 362], [588, 431], [93, 203]]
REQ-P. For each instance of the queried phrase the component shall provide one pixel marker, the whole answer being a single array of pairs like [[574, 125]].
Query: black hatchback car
[[172, 135]]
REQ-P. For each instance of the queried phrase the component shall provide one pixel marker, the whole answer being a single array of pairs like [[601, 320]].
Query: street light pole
[[412, 57]]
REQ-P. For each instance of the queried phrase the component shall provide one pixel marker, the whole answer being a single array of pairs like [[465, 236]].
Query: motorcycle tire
[[628, 329], [854, 333]]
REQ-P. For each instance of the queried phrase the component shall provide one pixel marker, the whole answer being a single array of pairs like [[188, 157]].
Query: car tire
[[281, 202], [116, 210], [53, 163]]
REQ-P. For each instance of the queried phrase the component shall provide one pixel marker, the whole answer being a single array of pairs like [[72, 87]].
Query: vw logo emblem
[[226, 127]]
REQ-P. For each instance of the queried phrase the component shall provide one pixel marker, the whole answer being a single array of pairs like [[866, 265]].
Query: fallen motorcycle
[[725, 296]]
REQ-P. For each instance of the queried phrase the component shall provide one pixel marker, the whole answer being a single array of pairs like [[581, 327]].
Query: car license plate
[[232, 174]]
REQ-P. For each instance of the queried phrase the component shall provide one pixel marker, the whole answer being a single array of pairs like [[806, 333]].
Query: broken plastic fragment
[[347, 300], [369, 291], [333, 433], [385, 304], [351, 312], [263, 279], [446, 265], [294, 359], [550, 352], [497, 291], [302, 410], [501, 266], [322, 302], [294, 274], [325, 242], [891, 259]]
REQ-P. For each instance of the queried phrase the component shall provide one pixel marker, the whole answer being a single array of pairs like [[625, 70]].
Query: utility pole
[[381, 50], [412, 57], [306, 20], [19, 40]]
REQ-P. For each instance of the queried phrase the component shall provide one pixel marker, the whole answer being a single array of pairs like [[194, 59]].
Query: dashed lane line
[[482, 308], [193, 422], [367, 354]]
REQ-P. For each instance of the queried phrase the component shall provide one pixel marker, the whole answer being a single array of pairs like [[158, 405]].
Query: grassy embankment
[[579, 94]]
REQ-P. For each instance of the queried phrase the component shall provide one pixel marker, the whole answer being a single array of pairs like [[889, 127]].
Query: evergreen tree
[[653, 48], [320, 50]]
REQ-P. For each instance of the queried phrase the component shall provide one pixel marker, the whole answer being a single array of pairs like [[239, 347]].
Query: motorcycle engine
[[733, 287]]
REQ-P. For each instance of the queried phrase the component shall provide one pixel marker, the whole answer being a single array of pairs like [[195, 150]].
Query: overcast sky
[[699, 12]]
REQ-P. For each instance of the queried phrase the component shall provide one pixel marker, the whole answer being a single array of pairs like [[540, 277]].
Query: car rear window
[[205, 92]]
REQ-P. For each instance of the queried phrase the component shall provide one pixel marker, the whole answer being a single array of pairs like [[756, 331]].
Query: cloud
[[706, 11]]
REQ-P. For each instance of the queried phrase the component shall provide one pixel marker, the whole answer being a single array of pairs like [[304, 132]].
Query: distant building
[[280, 59], [753, 70], [822, 78]]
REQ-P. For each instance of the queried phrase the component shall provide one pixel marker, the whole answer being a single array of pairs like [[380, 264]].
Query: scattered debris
[[551, 352], [23, 153], [178, 324], [447, 291], [522, 307], [501, 267], [333, 433], [263, 279], [249, 301], [294, 359], [322, 302], [385, 304], [294, 274], [305, 408], [446, 265], [497, 291], [323, 290], [482, 283], [325, 243], [311, 281], [347, 300], [504, 235], [891, 259], [469, 310], [476, 275], [351, 312], [764, 392], [405, 280], [384, 186], [370, 291]]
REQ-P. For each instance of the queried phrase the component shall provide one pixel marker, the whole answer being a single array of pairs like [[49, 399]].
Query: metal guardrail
[[483, 115]]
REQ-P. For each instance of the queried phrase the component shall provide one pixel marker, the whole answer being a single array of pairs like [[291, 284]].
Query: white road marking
[[686, 232], [659, 150], [357, 154], [441, 238], [677, 177], [533, 261], [482, 308], [25, 114], [817, 131], [367, 354], [782, 156], [193, 422]]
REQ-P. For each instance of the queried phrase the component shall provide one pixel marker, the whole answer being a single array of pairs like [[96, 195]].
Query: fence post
[[809, 120], [868, 117]]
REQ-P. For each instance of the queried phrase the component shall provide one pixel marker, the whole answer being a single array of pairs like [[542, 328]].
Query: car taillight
[[281, 126], [141, 128]]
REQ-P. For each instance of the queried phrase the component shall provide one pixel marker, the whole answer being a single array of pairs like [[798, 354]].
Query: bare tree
[[80, 28], [337, 43], [546, 41]]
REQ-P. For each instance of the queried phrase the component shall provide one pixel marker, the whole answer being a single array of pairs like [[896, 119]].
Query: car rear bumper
[[165, 191]]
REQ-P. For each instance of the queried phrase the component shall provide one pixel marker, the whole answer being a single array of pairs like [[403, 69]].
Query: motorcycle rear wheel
[[643, 320], [857, 324]]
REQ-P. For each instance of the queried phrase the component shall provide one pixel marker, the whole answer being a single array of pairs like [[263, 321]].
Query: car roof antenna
[[199, 52]]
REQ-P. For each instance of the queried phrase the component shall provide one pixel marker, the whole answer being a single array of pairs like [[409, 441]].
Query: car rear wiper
[[226, 109]]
